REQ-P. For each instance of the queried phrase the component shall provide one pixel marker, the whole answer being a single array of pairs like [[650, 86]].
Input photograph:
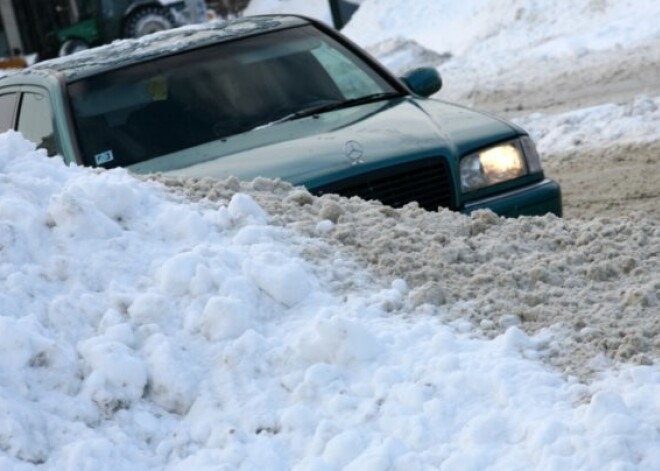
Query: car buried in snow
[[278, 97]]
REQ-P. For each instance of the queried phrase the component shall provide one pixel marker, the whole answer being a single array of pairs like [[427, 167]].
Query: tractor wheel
[[71, 46], [147, 21]]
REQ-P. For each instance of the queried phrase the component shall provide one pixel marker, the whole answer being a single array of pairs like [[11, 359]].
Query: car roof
[[131, 51]]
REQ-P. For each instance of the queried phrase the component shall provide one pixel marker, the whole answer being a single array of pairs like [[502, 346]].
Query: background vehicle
[[102, 21], [47, 28]]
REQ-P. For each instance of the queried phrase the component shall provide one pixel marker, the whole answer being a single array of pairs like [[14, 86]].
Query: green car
[[278, 97]]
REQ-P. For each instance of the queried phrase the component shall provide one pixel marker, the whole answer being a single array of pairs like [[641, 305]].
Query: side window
[[7, 106], [35, 121]]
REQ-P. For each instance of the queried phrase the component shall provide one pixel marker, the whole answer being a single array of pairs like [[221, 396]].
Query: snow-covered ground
[[253, 326]]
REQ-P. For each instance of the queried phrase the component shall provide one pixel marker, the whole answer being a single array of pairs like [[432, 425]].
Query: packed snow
[[199, 324]]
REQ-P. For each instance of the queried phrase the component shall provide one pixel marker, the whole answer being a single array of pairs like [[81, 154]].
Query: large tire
[[71, 46], [147, 21]]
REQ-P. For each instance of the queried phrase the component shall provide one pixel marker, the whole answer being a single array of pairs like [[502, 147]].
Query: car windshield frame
[[120, 114]]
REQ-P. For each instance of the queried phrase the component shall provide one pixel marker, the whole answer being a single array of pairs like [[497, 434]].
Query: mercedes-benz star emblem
[[354, 152]]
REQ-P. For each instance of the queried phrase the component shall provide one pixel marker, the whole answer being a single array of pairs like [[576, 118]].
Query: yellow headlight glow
[[502, 163], [491, 166]]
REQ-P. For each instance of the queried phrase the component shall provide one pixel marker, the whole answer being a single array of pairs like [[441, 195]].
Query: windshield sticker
[[157, 88], [104, 157]]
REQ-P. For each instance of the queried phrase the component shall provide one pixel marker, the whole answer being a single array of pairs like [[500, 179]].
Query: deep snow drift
[[141, 331]]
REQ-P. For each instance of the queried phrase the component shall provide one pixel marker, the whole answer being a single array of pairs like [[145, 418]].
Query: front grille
[[425, 181]]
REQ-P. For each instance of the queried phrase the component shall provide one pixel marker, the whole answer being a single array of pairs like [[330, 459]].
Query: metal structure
[[342, 10]]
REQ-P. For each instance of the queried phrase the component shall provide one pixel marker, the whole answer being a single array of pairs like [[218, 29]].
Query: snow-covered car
[[278, 97]]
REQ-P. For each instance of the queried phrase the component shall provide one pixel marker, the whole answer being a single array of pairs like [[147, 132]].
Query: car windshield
[[144, 111]]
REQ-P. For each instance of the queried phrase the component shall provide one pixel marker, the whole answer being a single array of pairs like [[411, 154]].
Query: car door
[[35, 119], [8, 101]]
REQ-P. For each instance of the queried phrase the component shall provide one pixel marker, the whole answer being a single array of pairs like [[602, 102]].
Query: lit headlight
[[499, 164]]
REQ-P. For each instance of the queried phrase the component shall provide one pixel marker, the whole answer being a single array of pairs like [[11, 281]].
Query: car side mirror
[[424, 81]]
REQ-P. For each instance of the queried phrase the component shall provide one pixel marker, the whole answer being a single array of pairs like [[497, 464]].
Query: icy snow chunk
[[392, 299], [114, 194], [19, 342], [99, 454], [171, 385], [299, 419], [243, 206], [340, 340], [181, 224], [324, 227], [22, 432], [514, 339], [202, 282], [31, 360], [320, 374], [400, 285], [176, 273], [149, 308], [343, 448], [122, 333], [225, 318], [285, 279], [547, 432], [372, 459], [78, 218], [116, 375], [603, 404], [491, 429]]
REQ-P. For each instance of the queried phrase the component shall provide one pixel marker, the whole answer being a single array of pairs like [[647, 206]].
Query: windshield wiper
[[336, 105]]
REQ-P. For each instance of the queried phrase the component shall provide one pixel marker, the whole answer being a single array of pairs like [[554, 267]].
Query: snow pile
[[594, 282], [596, 127], [553, 29], [139, 331], [516, 54], [318, 9], [252, 329]]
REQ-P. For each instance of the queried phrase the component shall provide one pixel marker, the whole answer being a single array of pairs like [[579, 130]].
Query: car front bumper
[[533, 200]]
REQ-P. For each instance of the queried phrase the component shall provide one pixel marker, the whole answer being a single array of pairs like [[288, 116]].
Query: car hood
[[321, 149]]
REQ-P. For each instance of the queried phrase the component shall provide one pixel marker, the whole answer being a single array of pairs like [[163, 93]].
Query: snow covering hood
[[314, 151]]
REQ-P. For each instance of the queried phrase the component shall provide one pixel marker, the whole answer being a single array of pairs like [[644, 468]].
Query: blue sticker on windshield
[[104, 157]]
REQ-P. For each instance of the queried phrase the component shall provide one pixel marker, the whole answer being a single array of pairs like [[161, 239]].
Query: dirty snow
[[225, 325]]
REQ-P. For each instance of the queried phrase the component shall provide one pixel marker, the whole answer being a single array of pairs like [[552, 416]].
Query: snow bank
[[552, 29], [139, 331], [593, 281], [599, 126], [319, 9], [497, 34], [517, 55]]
